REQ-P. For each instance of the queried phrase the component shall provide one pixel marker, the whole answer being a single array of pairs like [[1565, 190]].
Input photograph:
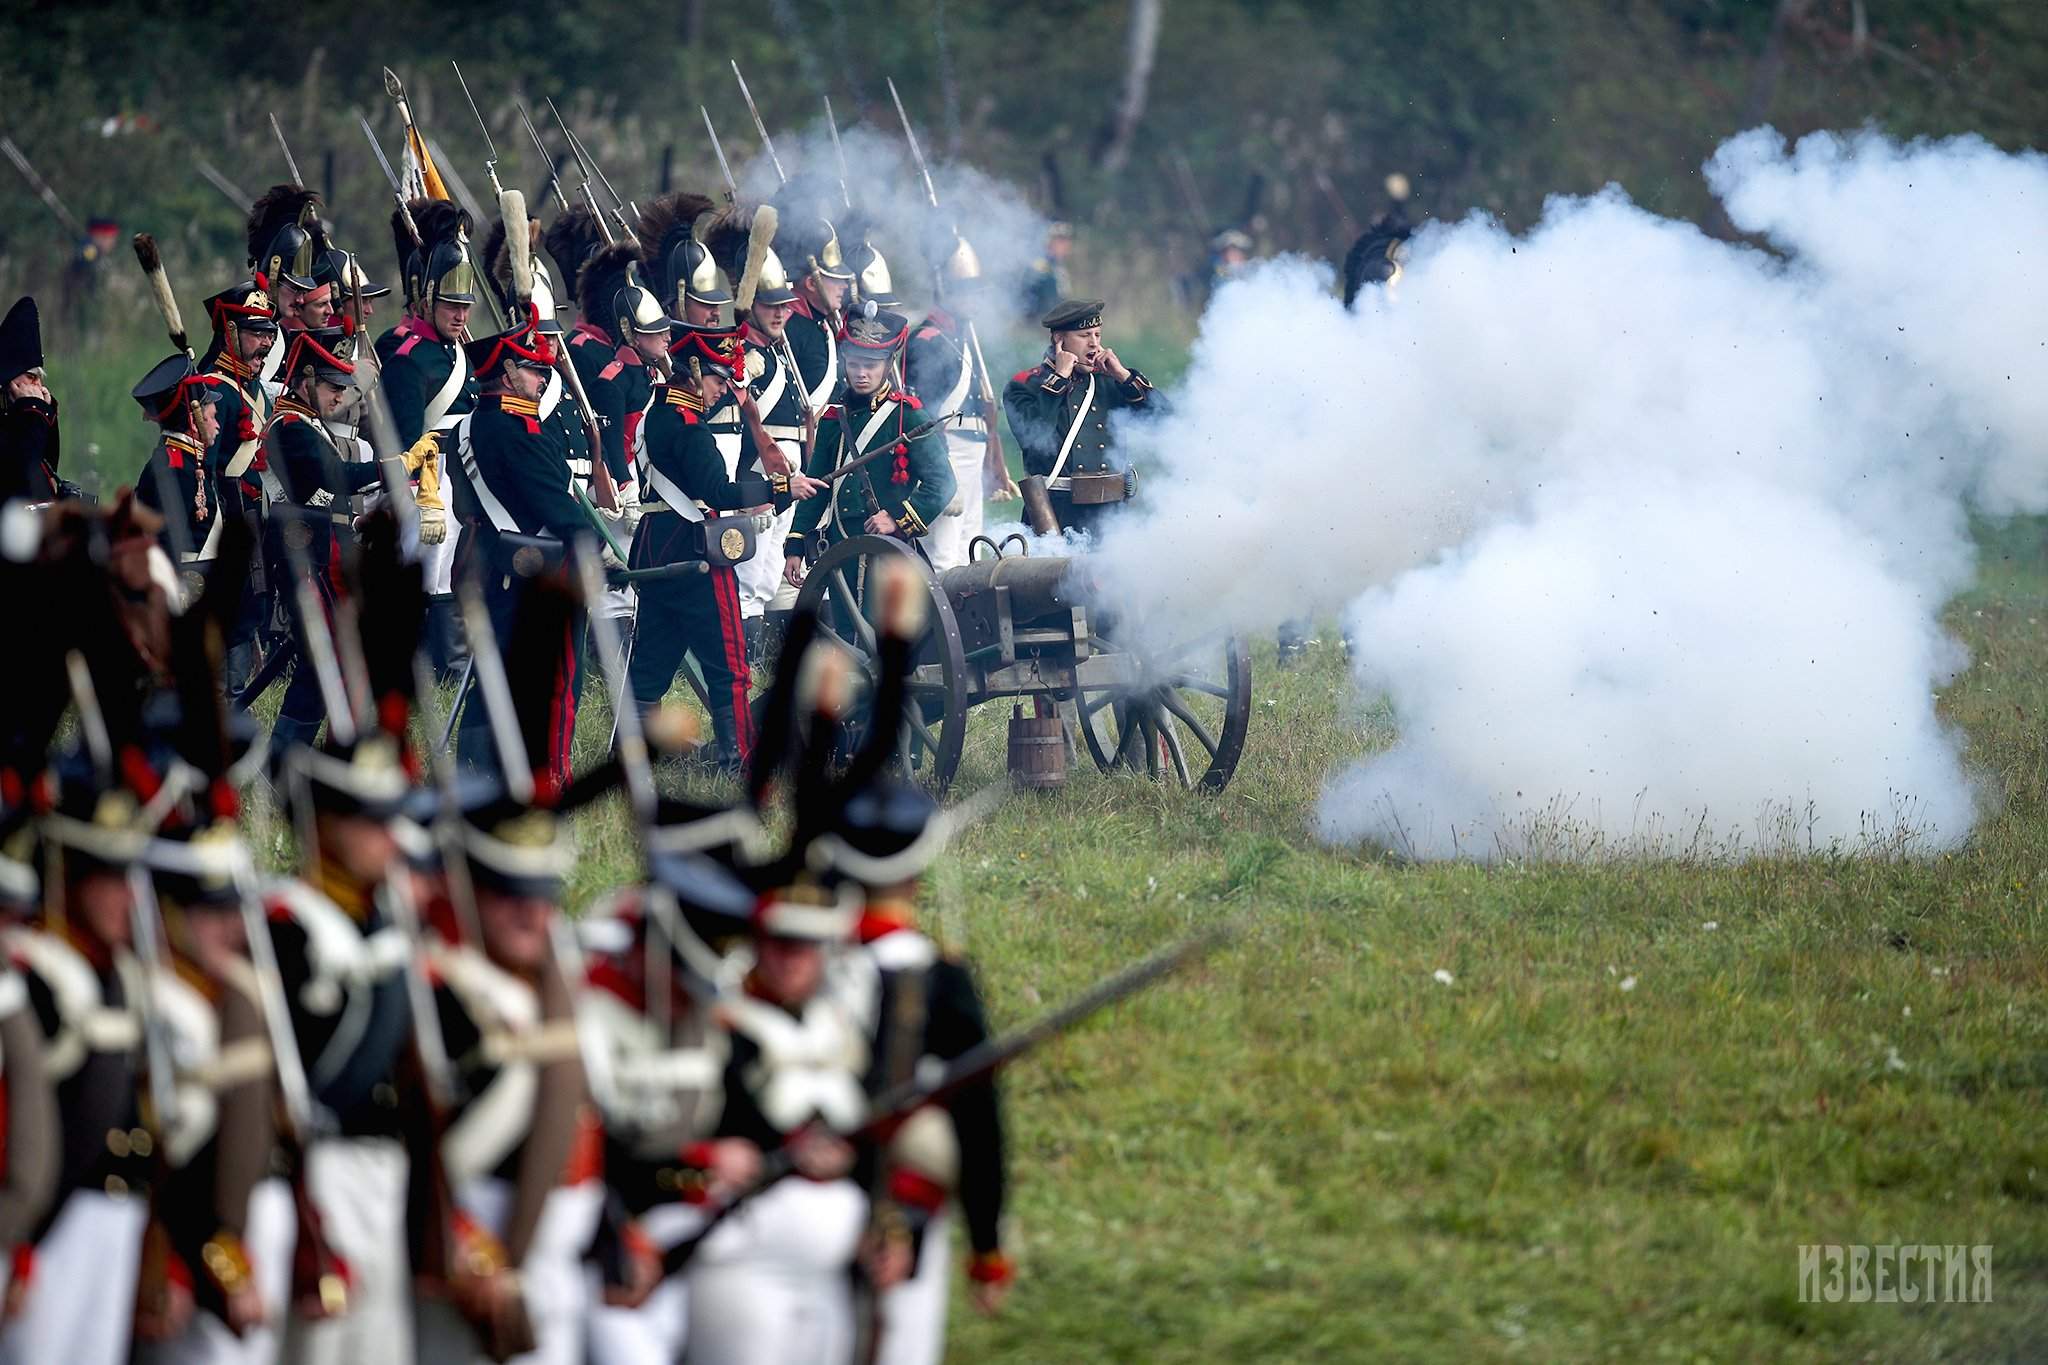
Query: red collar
[[586, 328], [423, 328], [804, 306], [943, 320]]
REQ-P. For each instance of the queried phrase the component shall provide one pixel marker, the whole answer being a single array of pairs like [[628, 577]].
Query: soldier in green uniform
[[1060, 409], [900, 494], [621, 333]]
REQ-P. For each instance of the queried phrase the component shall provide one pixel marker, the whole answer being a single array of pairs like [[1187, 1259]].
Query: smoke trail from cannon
[[1645, 535]]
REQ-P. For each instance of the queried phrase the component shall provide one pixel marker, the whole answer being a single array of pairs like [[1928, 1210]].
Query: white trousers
[[358, 1184], [771, 1286], [268, 1236], [551, 1277], [953, 530], [81, 1303], [656, 1332], [914, 1312], [438, 561], [760, 578]]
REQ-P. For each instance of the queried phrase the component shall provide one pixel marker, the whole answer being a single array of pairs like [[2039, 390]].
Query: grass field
[[1645, 1086]]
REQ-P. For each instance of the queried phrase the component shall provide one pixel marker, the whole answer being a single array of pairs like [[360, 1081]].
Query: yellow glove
[[423, 464]]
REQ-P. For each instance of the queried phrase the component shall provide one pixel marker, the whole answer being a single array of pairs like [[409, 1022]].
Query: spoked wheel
[[935, 711], [1183, 716]]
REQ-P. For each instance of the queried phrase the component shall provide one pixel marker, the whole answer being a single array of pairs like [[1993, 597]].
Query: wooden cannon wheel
[[935, 712], [1184, 716]]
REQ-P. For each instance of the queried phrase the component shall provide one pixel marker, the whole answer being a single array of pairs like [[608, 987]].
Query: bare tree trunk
[[1139, 55]]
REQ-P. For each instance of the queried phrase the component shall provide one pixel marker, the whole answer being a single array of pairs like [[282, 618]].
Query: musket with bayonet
[[554, 176], [396, 90], [589, 168], [994, 466]]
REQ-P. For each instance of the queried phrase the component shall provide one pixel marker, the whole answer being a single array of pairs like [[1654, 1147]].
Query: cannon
[[1029, 627]]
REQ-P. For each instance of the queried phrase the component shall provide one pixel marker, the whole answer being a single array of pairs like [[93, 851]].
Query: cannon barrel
[[1036, 585]]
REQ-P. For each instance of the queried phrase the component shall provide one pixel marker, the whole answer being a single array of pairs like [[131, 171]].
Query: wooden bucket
[[1038, 751]]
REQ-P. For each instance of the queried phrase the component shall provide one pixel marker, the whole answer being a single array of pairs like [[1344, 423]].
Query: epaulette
[[611, 371], [832, 412], [908, 400], [1020, 376], [405, 347]]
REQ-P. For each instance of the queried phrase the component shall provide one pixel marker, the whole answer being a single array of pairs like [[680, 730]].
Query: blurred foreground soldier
[[884, 838], [427, 381], [526, 1200], [940, 369], [1060, 410], [664, 1054], [771, 1285], [28, 414], [513, 494], [1046, 282], [342, 961], [244, 319], [28, 1121], [309, 483], [898, 495], [200, 1294], [75, 1291], [682, 478], [181, 481]]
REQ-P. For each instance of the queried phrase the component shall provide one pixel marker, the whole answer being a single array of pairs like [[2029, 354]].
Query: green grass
[[1310, 1149]]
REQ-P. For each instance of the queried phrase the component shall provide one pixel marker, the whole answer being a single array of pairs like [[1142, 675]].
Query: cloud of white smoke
[[1644, 534]]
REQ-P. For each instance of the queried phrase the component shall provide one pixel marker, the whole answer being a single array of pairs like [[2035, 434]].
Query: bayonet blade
[[554, 176], [482, 127], [838, 152], [732, 189], [285, 147], [767, 143], [910, 136]]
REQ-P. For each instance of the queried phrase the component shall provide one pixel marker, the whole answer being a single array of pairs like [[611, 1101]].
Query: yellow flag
[[421, 179]]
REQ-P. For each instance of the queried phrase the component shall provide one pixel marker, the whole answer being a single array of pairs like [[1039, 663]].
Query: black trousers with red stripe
[[696, 615], [544, 698]]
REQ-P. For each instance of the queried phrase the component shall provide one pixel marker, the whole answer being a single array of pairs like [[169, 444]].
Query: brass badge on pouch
[[527, 561], [732, 543]]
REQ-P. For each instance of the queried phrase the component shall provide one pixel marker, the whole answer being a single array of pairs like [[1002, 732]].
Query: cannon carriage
[[1027, 628]]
